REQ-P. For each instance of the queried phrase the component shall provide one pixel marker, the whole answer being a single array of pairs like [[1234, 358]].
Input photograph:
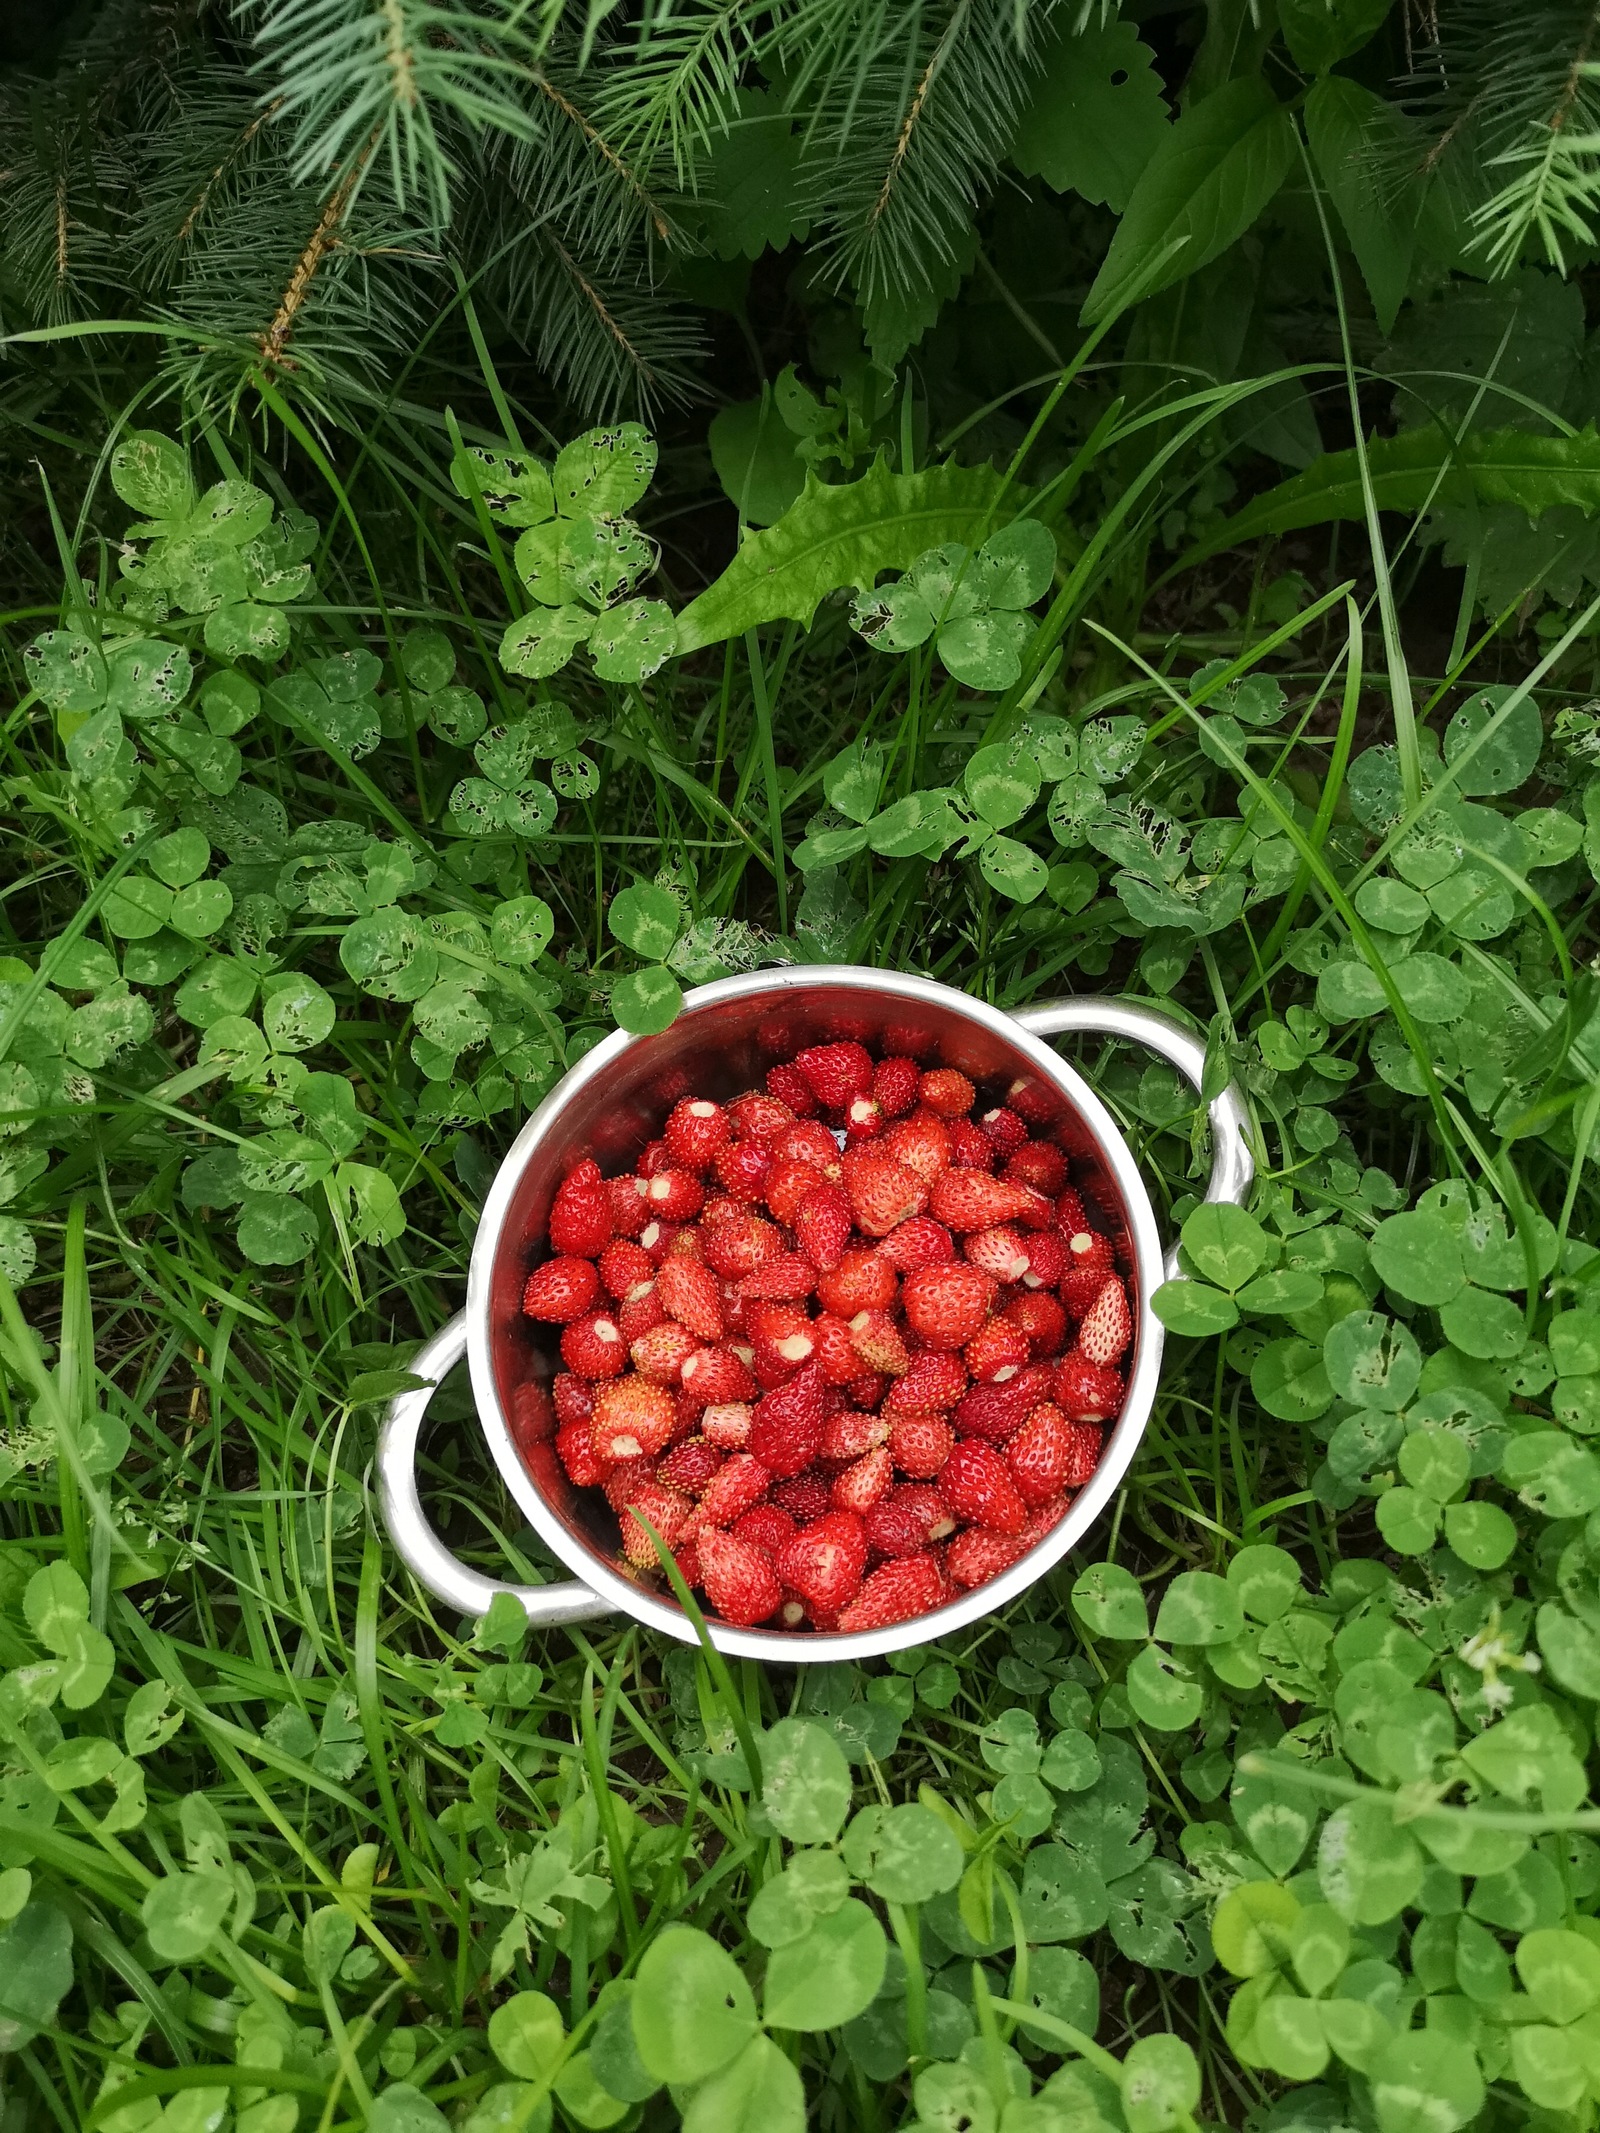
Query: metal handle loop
[[1233, 1166], [417, 1545]]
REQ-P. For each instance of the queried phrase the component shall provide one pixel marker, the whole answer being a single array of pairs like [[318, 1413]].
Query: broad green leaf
[[521, 930], [692, 2010], [1227, 1244], [1424, 2082], [805, 1781], [1209, 178], [1372, 1360], [753, 453], [1194, 1308], [1290, 2038], [1290, 1381], [274, 1229], [984, 650], [788, 1905], [1418, 1256], [542, 641], [1500, 763], [1436, 1461], [633, 641], [526, 2034], [1368, 1863], [604, 472], [1162, 1691], [35, 1973], [854, 779], [760, 2092], [1409, 1522], [184, 1913], [1160, 2083], [1110, 1602], [1267, 1580], [836, 535], [1252, 1927], [146, 678], [1490, 1327], [1484, 1536], [904, 1854], [646, 1001], [1199, 1608], [1319, 33], [1561, 1971], [831, 1975], [1002, 784], [1319, 1947], [1013, 869], [67, 671], [646, 919], [1096, 114], [515, 488], [151, 473]]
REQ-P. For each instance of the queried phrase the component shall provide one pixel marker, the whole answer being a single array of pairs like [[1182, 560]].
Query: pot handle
[[1232, 1164], [417, 1545]]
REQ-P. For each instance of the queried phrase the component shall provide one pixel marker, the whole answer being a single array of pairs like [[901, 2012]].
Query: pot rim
[[797, 1646]]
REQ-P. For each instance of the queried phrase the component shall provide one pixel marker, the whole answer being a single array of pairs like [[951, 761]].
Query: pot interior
[[617, 1099]]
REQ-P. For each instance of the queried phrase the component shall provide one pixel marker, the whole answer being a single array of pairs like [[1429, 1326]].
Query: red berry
[[919, 1242], [876, 1339], [742, 1170], [946, 1305], [933, 1382], [660, 1239], [920, 1444], [976, 1483], [580, 1215], [980, 1553], [689, 1466], [861, 1484], [573, 1396], [1047, 1258], [823, 1224], [910, 1518], [1090, 1252], [714, 1376], [894, 1086], [695, 1131], [755, 1117], [625, 1203], [738, 1484], [637, 1313], [739, 1581], [970, 1147], [1000, 1252], [1004, 1131], [1070, 1213], [1040, 1454], [864, 1119], [789, 1276], [947, 1092], [666, 1511], [851, 1435], [624, 1265], [633, 1419], [765, 1527], [674, 1195], [1089, 1392], [593, 1347], [1040, 1317], [997, 1351], [824, 1562], [835, 1073], [738, 1246], [1107, 1325], [992, 1412], [654, 1157], [834, 1349], [862, 1281], [561, 1290], [1039, 1165], [788, 1181], [584, 1465], [660, 1354], [921, 1142], [689, 1293], [970, 1199], [884, 1193], [783, 1339], [897, 1591], [727, 1425], [787, 1425], [790, 1087], [803, 1496]]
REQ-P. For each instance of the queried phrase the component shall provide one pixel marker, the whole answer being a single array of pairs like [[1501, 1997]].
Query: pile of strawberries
[[822, 1341]]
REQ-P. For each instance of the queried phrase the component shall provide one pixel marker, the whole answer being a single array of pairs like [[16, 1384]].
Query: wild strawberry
[[695, 1130], [824, 1562], [849, 1435], [1037, 1164], [739, 1245], [1090, 1252], [720, 1207], [864, 1119], [739, 1483], [919, 1242], [876, 1339], [624, 1265], [1000, 1252], [862, 1281], [674, 1195], [633, 1419], [660, 1239], [992, 1412], [742, 1170], [898, 1590], [1079, 1286], [789, 1276], [809, 1141], [573, 1397], [976, 1483], [660, 1354], [787, 1425], [861, 1484], [580, 1215], [908, 1519], [1004, 1131], [907, 1040], [765, 1527], [625, 1478], [867, 1392], [894, 1086], [626, 1206], [584, 1465], [834, 1349], [823, 1225], [920, 1444], [687, 1557], [947, 1092], [561, 1290], [533, 1413], [714, 1376], [782, 1338], [654, 1157], [970, 1147], [980, 1553], [689, 1293], [790, 1088], [1041, 1318], [1071, 1216], [636, 1314], [740, 1583], [884, 1193], [921, 1142], [727, 1425], [803, 1496], [966, 1200], [1107, 1325], [932, 1384], [1046, 1516], [689, 1466], [593, 1347], [755, 1117], [788, 1181], [946, 1305], [835, 1073], [666, 1511], [1040, 1454], [997, 1351], [1088, 1392], [1047, 1258]]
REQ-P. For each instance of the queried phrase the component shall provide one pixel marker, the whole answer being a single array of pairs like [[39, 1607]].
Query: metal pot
[[612, 1103]]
